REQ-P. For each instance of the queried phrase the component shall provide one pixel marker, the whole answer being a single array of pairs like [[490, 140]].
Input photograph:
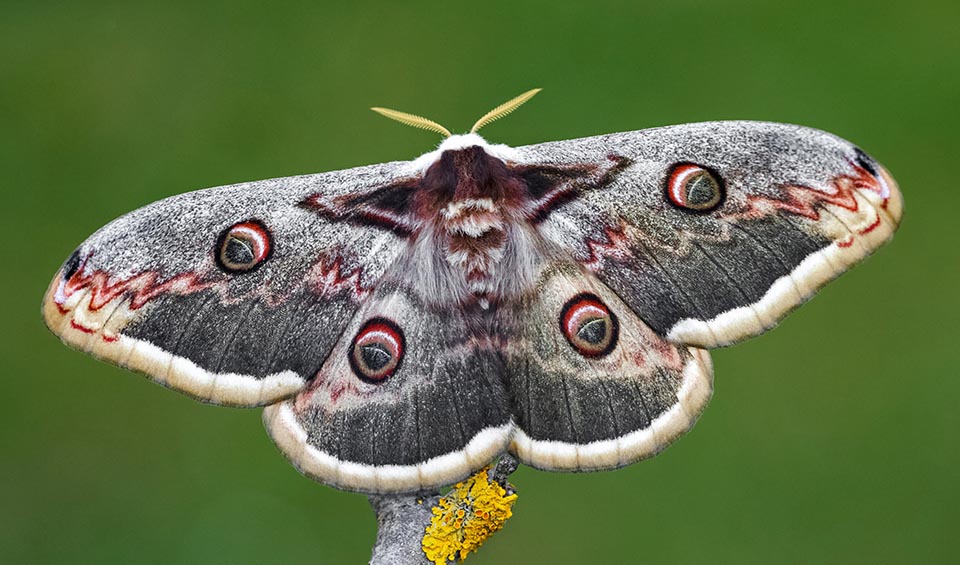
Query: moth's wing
[[440, 416], [149, 293], [625, 402], [801, 206]]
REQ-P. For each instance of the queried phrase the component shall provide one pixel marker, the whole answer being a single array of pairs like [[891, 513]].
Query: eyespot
[[243, 247], [377, 350], [694, 187], [589, 326], [866, 162]]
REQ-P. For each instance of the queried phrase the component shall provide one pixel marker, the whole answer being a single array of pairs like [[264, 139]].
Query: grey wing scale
[[800, 207], [564, 316], [148, 291], [440, 415], [578, 412], [797, 207]]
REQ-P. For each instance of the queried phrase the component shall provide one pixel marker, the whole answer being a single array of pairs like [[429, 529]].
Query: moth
[[406, 323]]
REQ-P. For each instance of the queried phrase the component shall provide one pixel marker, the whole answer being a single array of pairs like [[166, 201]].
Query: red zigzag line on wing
[[800, 200], [803, 200], [326, 276], [615, 245], [143, 286]]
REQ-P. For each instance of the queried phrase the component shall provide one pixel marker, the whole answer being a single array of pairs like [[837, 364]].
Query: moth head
[[454, 142]]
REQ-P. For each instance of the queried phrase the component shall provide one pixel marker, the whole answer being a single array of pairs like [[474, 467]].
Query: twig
[[402, 520]]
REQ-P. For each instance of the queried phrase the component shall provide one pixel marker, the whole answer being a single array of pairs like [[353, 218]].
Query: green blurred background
[[833, 439]]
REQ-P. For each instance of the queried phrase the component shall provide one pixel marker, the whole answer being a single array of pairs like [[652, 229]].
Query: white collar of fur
[[462, 141]]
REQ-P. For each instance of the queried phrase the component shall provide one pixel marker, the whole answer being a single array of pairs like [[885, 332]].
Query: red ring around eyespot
[[580, 310], [677, 182], [256, 233], [385, 335], [253, 232], [681, 175]]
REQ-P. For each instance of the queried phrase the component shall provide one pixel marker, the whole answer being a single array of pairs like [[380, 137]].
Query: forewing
[[579, 407], [150, 291], [800, 207], [439, 415]]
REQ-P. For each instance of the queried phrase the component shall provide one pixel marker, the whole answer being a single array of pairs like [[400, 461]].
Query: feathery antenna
[[504, 109], [412, 120]]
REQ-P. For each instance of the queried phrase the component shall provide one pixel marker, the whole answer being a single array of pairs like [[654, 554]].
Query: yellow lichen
[[463, 519]]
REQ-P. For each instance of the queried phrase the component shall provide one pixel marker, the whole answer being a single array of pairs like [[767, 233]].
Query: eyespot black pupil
[[701, 191], [375, 356], [238, 251], [593, 331]]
